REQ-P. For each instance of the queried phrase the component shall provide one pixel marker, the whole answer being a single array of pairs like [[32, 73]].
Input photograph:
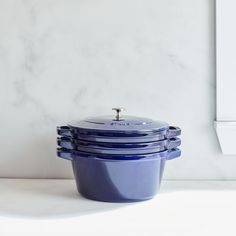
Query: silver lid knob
[[118, 111]]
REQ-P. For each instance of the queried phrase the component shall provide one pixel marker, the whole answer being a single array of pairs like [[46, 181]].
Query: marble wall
[[64, 60]]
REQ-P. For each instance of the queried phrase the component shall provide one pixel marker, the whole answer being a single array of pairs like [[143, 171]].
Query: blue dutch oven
[[118, 159]]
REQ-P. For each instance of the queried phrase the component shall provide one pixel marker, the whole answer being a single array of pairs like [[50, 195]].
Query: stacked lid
[[117, 135]]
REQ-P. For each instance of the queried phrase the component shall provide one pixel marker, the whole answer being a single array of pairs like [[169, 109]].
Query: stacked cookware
[[118, 158]]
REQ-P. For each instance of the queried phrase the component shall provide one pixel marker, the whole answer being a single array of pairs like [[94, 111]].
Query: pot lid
[[119, 123]]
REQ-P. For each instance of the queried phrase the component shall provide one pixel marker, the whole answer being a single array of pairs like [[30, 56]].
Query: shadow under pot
[[125, 129], [118, 178], [118, 148]]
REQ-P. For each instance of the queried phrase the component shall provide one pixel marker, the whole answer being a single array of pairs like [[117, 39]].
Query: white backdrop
[[64, 60]]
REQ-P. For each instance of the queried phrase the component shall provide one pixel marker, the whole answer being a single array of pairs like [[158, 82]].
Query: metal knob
[[118, 111]]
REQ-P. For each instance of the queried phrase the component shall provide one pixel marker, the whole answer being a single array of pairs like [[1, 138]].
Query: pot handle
[[65, 154], [65, 142], [173, 143], [173, 153], [64, 131], [173, 131]]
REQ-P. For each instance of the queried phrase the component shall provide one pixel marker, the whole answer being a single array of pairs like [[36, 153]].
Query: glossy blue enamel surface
[[125, 124], [118, 181], [118, 178], [73, 154], [118, 148], [118, 160], [111, 137]]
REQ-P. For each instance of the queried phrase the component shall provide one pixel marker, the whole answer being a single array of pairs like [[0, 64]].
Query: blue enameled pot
[[119, 178], [119, 158]]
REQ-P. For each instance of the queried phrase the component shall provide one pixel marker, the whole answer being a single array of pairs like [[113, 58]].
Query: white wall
[[63, 60]]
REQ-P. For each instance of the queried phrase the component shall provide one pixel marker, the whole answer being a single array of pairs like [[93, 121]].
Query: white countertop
[[42, 207]]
